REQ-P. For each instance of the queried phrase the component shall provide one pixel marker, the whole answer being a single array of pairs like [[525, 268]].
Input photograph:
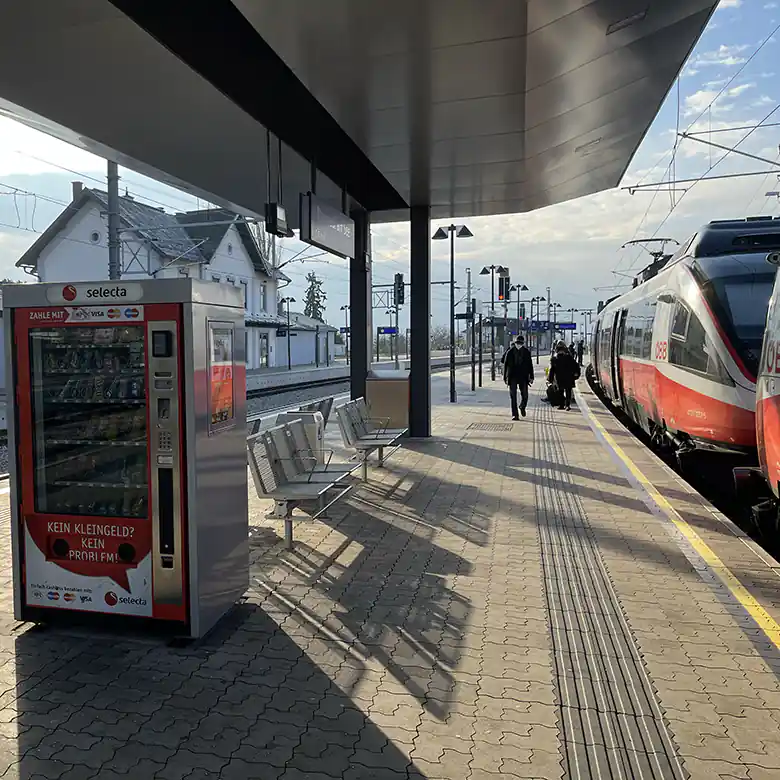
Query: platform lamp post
[[538, 300], [288, 301], [454, 231], [345, 309], [553, 308], [518, 288], [492, 270]]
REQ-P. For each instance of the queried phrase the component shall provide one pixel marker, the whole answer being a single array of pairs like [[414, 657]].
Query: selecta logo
[[123, 293], [112, 293], [112, 600]]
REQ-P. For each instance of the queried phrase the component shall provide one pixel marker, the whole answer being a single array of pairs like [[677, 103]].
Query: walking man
[[580, 350], [518, 373]]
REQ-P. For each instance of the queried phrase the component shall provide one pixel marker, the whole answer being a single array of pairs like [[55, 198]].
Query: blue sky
[[573, 247]]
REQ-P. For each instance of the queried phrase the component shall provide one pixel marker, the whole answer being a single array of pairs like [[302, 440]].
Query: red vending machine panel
[[87, 533]]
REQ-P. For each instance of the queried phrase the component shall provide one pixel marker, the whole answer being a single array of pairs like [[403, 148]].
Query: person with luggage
[[518, 373], [564, 372]]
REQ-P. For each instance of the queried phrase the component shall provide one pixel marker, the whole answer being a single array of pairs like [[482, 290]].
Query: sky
[[732, 79]]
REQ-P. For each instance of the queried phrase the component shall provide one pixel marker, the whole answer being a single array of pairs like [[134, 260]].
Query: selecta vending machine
[[127, 417]]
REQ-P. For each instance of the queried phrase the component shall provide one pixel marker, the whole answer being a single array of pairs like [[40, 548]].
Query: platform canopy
[[470, 106]]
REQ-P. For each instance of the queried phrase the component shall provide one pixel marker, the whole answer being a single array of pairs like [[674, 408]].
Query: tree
[[440, 337], [315, 297]]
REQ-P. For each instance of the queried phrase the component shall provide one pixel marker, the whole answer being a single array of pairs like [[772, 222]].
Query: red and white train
[[682, 352]]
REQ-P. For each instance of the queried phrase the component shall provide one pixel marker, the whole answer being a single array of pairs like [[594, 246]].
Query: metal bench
[[356, 435], [323, 406], [295, 482], [375, 424]]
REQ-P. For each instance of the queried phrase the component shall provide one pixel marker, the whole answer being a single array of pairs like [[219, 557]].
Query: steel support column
[[360, 305], [420, 323]]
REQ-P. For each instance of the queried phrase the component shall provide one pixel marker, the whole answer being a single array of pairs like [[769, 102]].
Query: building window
[[230, 249], [262, 298], [94, 237], [215, 278], [245, 288]]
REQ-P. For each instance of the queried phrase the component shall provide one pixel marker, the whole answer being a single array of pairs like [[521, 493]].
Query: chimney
[[78, 188]]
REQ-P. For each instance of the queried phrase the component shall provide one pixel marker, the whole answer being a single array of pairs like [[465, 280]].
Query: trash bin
[[387, 396]]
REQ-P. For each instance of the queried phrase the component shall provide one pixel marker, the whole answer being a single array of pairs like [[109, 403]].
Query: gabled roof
[[211, 235], [299, 321], [174, 236]]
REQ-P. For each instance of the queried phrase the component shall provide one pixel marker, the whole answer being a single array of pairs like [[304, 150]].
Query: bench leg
[[322, 514], [365, 465], [381, 457], [288, 533]]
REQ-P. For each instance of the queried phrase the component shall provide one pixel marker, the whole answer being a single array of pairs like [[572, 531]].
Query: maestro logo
[[111, 599], [69, 292]]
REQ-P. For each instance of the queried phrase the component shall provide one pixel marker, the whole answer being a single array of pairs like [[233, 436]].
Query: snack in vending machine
[[112, 393], [99, 388], [104, 335], [68, 389]]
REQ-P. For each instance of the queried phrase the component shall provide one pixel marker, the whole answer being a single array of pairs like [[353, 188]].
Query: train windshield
[[738, 290]]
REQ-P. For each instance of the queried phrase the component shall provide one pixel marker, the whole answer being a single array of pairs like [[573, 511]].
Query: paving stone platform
[[503, 600]]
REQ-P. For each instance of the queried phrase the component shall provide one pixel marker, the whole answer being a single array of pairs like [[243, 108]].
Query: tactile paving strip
[[611, 722]]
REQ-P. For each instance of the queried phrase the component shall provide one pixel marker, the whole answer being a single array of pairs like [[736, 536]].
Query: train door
[[618, 330]]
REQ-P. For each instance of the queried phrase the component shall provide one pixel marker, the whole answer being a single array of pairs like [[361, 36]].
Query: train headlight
[[773, 258]]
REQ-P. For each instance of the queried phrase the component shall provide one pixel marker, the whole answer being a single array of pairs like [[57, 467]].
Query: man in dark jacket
[[564, 371], [518, 372]]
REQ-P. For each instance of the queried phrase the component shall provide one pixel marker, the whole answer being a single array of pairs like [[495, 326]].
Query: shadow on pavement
[[247, 702]]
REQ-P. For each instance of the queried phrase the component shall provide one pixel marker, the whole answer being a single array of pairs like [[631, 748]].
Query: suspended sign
[[566, 326], [326, 227], [387, 330]]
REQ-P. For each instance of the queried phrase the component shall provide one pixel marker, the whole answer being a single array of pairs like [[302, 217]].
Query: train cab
[[768, 392]]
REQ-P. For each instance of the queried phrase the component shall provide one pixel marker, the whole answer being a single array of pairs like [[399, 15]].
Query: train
[[692, 354], [680, 353]]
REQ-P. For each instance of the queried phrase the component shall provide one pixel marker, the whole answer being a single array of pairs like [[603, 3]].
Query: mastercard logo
[[113, 314], [69, 292]]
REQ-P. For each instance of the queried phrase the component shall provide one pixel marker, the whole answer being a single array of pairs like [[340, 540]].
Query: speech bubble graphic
[[92, 547]]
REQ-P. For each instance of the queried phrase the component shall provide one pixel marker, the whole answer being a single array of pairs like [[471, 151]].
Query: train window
[[696, 352], [680, 320]]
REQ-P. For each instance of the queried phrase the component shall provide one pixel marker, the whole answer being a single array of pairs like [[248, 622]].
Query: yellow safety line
[[763, 619]]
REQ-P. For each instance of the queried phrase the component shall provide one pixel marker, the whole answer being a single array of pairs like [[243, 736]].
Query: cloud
[[730, 4], [725, 55]]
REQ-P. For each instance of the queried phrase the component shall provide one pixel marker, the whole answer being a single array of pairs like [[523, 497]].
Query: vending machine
[[127, 419]]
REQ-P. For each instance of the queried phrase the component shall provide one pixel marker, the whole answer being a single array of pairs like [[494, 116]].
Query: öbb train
[[682, 352]]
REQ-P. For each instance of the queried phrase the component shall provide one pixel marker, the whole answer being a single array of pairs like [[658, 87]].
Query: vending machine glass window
[[89, 421]]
